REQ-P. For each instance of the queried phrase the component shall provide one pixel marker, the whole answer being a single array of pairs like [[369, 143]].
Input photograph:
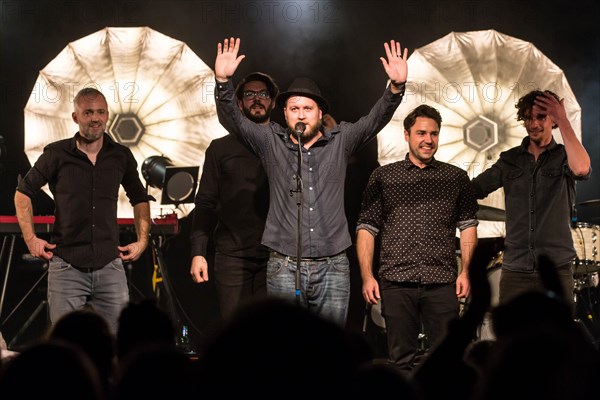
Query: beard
[[308, 134], [256, 118], [89, 136], [536, 136]]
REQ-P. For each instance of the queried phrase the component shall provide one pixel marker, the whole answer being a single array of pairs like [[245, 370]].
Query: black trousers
[[238, 280], [410, 309]]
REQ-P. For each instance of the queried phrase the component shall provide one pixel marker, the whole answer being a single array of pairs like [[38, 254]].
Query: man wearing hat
[[324, 278], [232, 203]]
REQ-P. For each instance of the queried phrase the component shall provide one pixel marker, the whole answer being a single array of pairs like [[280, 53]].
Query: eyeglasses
[[250, 95]]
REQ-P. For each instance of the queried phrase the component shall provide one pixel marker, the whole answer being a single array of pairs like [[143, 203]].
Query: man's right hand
[[199, 269], [370, 290], [227, 59], [37, 247]]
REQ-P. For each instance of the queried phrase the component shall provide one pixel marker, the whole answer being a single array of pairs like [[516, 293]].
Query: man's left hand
[[132, 251]]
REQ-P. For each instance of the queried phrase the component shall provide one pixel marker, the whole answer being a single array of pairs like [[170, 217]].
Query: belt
[[275, 254], [85, 270]]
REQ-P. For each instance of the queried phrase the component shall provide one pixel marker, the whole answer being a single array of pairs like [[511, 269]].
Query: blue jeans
[[324, 284], [104, 289]]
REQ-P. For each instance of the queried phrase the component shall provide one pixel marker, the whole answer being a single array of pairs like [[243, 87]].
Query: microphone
[[299, 129]]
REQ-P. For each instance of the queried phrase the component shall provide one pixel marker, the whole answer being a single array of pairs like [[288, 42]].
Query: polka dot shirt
[[415, 213]]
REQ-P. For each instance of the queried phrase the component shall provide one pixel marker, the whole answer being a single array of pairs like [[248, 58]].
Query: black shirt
[[86, 230], [539, 197], [416, 213], [232, 201]]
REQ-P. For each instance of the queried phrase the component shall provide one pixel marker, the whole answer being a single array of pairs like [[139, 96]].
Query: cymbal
[[593, 203], [487, 213]]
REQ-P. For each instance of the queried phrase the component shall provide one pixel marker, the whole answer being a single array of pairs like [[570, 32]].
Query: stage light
[[178, 184]]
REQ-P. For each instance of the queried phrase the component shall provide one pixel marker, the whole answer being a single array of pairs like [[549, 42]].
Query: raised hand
[[395, 64], [227, 59], [547, 104]]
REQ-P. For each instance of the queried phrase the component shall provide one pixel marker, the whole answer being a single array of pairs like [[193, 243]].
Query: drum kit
[[585, 240]]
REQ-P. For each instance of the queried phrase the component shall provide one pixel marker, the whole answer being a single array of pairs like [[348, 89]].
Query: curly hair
[[526, 103]]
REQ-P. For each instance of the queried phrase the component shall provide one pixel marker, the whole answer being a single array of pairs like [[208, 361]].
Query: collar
[[106, 141], [523, 148], [285, 133], [408, 164]]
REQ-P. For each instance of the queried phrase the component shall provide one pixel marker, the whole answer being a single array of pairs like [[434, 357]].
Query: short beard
[[308, 135], [89, 138], [537, 140], [258, 119]]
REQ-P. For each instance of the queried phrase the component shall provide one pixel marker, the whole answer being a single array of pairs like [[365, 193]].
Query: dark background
[[337, 43]]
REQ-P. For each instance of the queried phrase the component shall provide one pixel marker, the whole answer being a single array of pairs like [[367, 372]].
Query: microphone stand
[[298, 192]]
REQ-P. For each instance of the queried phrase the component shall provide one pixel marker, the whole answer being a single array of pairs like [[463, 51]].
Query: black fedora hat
[[304, 87]]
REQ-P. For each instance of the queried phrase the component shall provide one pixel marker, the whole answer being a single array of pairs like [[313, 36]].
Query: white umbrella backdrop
[[159, 93], [475, 79]]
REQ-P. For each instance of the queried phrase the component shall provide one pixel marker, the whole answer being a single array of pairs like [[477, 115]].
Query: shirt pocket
[[549, 178], [551, 173], [515, 180], [514, 174]]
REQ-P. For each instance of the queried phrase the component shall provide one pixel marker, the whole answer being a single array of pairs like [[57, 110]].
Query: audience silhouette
[[52, 369], [143, 323], [90, 332], [276, 347], [156, 371], [377, 380], [540, 351]]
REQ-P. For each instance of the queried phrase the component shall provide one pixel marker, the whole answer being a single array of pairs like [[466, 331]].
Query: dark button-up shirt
[[538, 198], [324, 225], [86, 230], [416, 211], [232, 201]]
